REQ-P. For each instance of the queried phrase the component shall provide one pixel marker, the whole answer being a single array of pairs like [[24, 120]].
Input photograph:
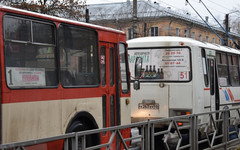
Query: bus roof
[[171, 41], [54, 18]]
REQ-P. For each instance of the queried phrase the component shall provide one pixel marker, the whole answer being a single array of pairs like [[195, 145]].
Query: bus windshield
[[162, 64]]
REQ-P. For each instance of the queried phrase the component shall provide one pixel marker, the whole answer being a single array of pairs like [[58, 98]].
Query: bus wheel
[[81, 125]]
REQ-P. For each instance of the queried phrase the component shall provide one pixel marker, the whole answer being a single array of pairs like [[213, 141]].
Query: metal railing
[[211, 130]]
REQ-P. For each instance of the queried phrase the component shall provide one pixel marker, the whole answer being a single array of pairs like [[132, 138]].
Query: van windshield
[[162, 64]]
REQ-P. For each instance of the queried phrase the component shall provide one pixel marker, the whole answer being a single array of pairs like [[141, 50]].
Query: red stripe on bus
[[230, 94], [207, 89], [18, 96], [237, 100]]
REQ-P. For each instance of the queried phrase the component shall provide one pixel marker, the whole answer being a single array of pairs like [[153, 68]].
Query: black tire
[[81, 125]]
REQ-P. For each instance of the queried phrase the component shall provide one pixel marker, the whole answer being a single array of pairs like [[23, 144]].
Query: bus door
[[211, 64], [213, 78], [109, 83]]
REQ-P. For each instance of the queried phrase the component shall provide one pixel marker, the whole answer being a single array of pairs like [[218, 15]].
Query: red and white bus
[[60, 76]]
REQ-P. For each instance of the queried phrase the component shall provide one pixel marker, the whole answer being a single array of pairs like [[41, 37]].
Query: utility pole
[[87, 15], [134, 27], [145, 29], [226, 28]]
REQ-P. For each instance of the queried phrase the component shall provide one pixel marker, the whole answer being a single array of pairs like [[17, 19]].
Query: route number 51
[[183, 76]]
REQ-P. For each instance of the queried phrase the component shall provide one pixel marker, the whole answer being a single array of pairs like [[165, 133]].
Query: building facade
[[155, 20]]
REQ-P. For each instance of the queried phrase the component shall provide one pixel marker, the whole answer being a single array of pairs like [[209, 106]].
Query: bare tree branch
[[71, 9]]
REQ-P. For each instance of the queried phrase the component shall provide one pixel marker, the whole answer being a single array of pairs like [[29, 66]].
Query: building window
[[193, 35], [16, 1], [154, 31], [207, 39], [129, 33], [213, 40], [185, 33], [219, 41], [177, 32], [200, 37]]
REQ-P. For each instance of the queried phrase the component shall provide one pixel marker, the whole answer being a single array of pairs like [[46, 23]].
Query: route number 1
[[10, 77]]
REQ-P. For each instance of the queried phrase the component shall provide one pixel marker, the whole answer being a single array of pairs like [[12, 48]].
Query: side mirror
[[136, 85], [138, 67]]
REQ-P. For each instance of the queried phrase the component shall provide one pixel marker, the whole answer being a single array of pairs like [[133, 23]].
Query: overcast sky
[[218, 7]]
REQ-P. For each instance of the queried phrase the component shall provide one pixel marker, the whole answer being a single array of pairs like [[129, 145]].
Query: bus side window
[[205, 68], [222, 68], [123, 68], [234, 70], [30, 53], [78, 56], [212, 75], [103, 65]]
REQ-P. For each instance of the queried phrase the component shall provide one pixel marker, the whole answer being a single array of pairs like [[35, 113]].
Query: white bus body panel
[[150, 101], [193, 95]]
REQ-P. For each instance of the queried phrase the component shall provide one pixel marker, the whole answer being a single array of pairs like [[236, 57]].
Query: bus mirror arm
[[136, 84]]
